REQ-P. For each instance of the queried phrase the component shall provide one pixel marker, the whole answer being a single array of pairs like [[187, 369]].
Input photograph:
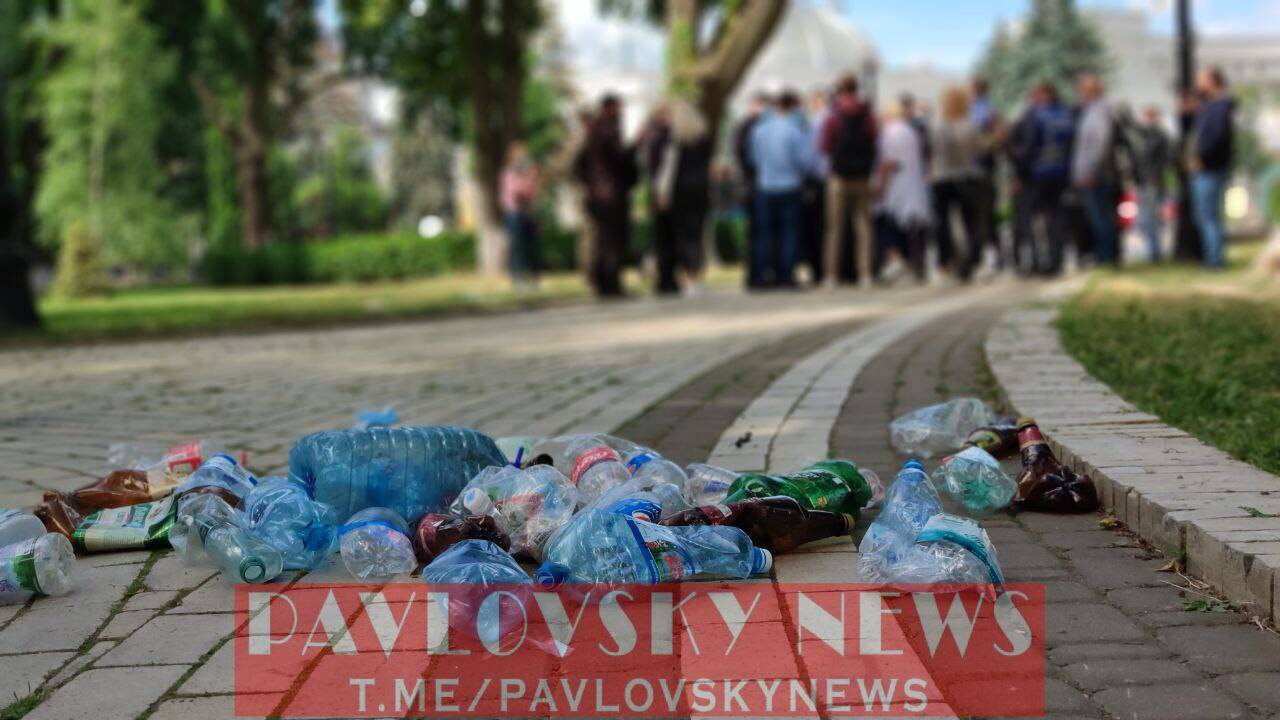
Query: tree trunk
[[17, 303], [251, 186]]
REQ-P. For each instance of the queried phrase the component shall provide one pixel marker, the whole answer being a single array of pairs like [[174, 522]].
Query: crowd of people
[[864, 194]]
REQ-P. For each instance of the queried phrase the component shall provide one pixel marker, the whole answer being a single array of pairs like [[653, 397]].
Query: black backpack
[[854, 154]]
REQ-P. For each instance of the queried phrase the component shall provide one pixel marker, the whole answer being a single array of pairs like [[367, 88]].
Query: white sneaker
[[893, 271]]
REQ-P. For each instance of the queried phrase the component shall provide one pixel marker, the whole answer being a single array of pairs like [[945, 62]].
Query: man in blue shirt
[[782, 151]]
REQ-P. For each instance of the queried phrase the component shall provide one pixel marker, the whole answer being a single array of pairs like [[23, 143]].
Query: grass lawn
[[1200, 350], [197, 310]]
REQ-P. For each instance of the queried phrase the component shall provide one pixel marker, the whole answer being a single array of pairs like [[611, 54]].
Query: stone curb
[[1220, 516]]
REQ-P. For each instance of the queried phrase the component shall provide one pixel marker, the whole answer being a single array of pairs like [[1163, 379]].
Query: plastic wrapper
[[412, 470], [133, 527], [529, 504], [437, 532], [280, 511], [938, 429], [975, 479]]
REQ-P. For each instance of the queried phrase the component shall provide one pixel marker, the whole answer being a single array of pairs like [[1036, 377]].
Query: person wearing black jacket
[[747, 166], [1209, 162], [682, 189], [1151, 160], [607, 169]]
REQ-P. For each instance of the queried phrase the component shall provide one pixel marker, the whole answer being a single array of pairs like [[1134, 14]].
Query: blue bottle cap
[[552, 574], [914, 465], [761, 561]]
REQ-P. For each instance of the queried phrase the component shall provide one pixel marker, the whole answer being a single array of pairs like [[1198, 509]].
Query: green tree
[[252, 78], [1056, 45], [421, 168], [102, 176], [339, 195], [22, 61], [471, 55]]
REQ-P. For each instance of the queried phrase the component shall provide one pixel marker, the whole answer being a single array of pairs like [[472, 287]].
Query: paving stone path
[[146, 636]]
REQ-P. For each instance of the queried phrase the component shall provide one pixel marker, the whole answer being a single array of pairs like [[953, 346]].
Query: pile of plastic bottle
[[590, 508]]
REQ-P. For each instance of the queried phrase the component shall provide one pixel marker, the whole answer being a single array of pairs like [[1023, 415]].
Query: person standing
[[682, 191], [654, 146], [983, 115], [1049, 159], [607, 168], [1093, 167], [1019, 150], [957, 146], [783, 157], [1151, 162], [1211, 153], [520, 182], [849, 140], [746, 165], [814, 195], [902, 191]]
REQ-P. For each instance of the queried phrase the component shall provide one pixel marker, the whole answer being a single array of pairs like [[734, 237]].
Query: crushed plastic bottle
[[437, 532], [1046, 484], [938, 429], [375, 545], [707, 484], [279, 510], [778, 524], [529, 503], [18, 525], [832, 485], [975, 479], [909, 503], [412, 470], [595, 467], [209, 530], [913, 541], [222, 475], [483, 565], [604, 547], [41, 565]]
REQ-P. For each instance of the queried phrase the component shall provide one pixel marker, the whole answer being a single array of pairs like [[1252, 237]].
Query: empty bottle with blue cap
[[602, 546], [908, 505], [707, 484], [279, 510], [375, 544], [219, 473]]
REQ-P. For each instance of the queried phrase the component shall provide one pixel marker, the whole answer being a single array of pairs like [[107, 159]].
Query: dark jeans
[[988, 232], [679, 243], [613, 227], [664, 250], [1047, 204], [960, 195], [1100, 208], [908, 240], [525, 259], [773, 259]]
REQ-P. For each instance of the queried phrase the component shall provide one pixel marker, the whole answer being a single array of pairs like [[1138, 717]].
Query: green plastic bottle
[[832, 485]]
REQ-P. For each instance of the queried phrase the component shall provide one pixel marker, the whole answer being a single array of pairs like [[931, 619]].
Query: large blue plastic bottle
[[412, 470], [601, 546]]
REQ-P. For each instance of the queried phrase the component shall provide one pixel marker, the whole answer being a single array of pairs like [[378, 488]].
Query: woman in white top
[[903, 207]]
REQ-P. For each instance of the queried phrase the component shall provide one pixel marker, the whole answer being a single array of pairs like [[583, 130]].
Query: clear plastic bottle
[[375, 544], [280, 511], [707, 484], [481, 565], [908, 505], [43, 565], [529, 503], [412, 470], [207, 529], [18, 525], [976, 480], [599, 546], [938, 429], [595, 467], [220, 472]]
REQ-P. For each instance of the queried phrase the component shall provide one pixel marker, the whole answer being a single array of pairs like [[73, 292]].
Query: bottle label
[[19, 561], [968, 535], [715, 486], [637, 461], [717, 514], [145, 525], [590, 459], [670, 561]]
